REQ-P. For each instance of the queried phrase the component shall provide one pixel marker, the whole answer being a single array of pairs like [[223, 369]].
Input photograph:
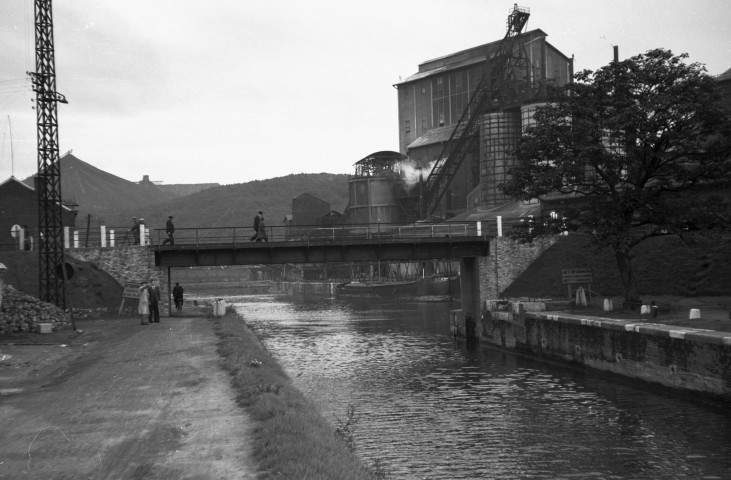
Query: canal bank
[[116, 399], [677, 356]]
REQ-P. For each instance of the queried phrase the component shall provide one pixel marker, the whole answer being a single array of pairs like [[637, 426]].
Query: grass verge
[[291, 439]]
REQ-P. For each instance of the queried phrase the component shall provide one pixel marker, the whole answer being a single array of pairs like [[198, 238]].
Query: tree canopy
[[636, 149]]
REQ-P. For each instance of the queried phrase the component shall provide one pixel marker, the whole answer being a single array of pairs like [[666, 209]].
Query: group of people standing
[[149, 305]]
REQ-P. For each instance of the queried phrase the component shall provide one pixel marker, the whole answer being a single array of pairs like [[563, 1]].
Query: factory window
[[407, 125]]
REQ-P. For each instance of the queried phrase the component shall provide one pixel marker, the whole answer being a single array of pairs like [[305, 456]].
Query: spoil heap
[[23, 313]]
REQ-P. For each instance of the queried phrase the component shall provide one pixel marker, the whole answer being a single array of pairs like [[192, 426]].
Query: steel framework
[[507, 75], [48, 184]]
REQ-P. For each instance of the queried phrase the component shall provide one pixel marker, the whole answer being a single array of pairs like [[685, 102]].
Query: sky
[[230, 91]]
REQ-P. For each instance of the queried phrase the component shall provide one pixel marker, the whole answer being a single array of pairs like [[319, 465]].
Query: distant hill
[[104, 198], [99, 192], [236, 205]]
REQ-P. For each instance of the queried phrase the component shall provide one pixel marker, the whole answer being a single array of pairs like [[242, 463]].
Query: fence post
[[103, 230], [111, 238], [66, 237], [142, 234], [479, 229], [499, 226], [76, 239]]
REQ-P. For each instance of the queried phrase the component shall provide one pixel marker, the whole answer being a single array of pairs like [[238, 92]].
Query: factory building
[[434, 103]]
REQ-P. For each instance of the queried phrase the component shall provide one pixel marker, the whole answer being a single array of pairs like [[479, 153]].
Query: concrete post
[[66, 237], [103, 229], [142, 234], [76, 239], [3, 271], [470, 286]]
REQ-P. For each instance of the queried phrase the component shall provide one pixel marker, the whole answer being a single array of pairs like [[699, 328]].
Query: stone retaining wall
[[513, 259], [678, 357], [131, 264]]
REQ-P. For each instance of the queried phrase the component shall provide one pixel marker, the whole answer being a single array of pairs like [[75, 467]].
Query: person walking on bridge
[[261, 231], [135, 231], [169, 229], [257, 219]]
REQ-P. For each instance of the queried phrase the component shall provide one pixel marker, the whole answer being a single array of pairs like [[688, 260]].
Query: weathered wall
[[679, 357], [513, 259], [132, 264]]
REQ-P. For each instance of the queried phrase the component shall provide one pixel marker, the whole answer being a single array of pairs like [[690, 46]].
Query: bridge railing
[[245, 235], [110, 237]]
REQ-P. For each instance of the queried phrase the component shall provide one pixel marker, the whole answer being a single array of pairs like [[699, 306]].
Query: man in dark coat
[[135, 230], [154, 302], [257, 219], [178, 296], [169, 229]]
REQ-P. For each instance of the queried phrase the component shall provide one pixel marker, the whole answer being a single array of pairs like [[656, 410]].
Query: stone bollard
[[608, 306], [695, 313]]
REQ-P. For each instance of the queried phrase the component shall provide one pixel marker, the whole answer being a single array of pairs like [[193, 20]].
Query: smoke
[[411, 172]]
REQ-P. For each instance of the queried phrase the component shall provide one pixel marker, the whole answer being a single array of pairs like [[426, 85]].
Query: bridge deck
[[211, 247]]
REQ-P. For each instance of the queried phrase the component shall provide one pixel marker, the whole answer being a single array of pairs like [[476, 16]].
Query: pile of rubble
[[23, 313]]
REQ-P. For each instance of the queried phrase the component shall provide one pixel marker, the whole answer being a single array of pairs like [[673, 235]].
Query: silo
[[526, 114], [373, 189], [500, 133]]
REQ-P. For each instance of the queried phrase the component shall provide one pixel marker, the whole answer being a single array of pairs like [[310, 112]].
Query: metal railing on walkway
[[115, 237]]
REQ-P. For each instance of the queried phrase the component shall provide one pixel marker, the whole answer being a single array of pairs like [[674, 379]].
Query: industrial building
[[460, 115], [481, 98]]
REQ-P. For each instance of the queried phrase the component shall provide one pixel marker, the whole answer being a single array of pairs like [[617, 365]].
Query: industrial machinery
[[504, 85]]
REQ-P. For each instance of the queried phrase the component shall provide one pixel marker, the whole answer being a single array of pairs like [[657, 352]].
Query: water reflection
[[430, 408]]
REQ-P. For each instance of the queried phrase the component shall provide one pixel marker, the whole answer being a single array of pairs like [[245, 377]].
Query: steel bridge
[[347, 243], [194, 247]]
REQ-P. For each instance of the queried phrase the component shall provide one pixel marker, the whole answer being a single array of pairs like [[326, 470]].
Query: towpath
[[121, 401]]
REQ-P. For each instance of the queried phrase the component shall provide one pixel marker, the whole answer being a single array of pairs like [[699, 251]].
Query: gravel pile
[[22, 313]]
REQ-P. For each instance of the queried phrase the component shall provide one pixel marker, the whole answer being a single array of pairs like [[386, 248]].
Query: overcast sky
[[230, 91]]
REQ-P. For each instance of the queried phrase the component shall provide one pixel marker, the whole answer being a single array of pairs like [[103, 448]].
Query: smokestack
[[616, 53]]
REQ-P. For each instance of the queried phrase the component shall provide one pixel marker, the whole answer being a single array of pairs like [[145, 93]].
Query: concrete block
[[45, 327]]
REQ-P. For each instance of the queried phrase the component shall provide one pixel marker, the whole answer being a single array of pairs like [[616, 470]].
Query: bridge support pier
[[470, 288]]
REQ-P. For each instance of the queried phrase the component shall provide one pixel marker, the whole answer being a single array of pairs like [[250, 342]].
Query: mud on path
[[124, 401]]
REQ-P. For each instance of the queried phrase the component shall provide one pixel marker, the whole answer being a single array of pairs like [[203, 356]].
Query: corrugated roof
[[445, 64], [435, 135]]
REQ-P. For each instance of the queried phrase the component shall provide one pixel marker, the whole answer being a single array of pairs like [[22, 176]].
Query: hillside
[[99, 192], [104, 198], [662, 265], [236, 205]]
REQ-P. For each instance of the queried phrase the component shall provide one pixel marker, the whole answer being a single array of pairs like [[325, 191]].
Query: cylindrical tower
[[374, 187], [500, 132]]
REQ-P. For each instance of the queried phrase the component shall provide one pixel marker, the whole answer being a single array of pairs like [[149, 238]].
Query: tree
[[637, 149]]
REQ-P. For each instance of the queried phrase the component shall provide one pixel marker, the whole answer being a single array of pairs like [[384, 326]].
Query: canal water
[[429, 407]]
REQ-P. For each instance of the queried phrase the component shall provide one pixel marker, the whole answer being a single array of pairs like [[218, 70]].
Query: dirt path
[[135, 402]]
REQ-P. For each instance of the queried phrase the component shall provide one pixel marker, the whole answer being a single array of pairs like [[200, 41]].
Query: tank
[[375, 187]]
